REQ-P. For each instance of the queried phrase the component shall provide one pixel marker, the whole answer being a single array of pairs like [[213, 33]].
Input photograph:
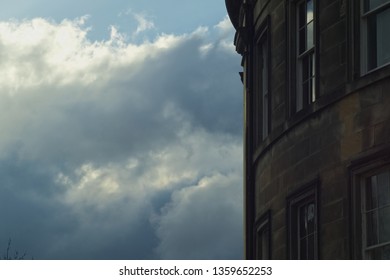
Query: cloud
[[106, 146], [202, 219], [143, 23]]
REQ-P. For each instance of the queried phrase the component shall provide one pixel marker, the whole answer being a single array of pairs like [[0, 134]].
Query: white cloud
[[224, 27], [103, 136], [40, 52], [225, 30], [143, 23]]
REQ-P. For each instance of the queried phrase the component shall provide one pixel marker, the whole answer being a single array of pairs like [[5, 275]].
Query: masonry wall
[[349, 118], [323, 147]]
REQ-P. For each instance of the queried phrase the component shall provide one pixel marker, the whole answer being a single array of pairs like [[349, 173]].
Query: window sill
[[369, 78]]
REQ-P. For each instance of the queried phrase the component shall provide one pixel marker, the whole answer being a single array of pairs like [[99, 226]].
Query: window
[[302, 223], [375, 191], [370, 205], [263, 237], [305, 92], [375, 39], [261, 98]]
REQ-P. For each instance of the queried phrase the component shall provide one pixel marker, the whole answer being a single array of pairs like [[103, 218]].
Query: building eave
[[233, 9]]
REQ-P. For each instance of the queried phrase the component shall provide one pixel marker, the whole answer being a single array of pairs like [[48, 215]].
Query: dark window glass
[[264, 71], [372, 4], [261, 92], [383, 38], [376, 214], [302, 223], [302, 40], [306, 230], [381, 253], [377, 42], [302, 14]]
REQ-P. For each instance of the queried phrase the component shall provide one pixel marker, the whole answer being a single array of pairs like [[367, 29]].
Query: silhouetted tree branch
[[16, 256]]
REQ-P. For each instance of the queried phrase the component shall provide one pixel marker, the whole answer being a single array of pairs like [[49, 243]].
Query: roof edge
[[233, 9]]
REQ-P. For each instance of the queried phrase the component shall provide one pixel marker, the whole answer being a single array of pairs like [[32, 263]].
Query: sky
[[121, 130]]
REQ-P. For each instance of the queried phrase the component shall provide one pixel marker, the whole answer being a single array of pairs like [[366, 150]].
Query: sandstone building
[[316, 76]]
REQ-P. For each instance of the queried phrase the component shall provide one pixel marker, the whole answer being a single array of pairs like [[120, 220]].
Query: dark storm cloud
[[199, 88], [201, 220], [107, 147]]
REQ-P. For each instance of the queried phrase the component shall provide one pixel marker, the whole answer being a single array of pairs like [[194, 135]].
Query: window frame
[[296, 58], [261, 98], [360, 170], [366, 37], [367, 249], [263, 227], [303, 196]]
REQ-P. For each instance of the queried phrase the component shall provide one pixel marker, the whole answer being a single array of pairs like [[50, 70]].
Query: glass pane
[[383, 38], [265, 116], [306, 68], [265, 245], [263, 52], [312, 90], [371, 193], [310, 35], [381, 253], [301, 15], [302, 41], [384, 224], [383, 189], [371, 42], [306, 92], [372, 4], [303, 249], [310, 11], [311, 65], [299, 94], [311, 247], [310, 218], [372, 226], [302, 222], [299, 105], [264, 71]]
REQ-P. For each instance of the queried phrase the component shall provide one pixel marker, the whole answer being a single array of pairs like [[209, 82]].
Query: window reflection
[[307, 231], [310, 11], [310, 33]]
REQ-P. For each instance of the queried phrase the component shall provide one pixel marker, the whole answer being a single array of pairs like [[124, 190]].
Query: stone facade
[[311, 182]]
